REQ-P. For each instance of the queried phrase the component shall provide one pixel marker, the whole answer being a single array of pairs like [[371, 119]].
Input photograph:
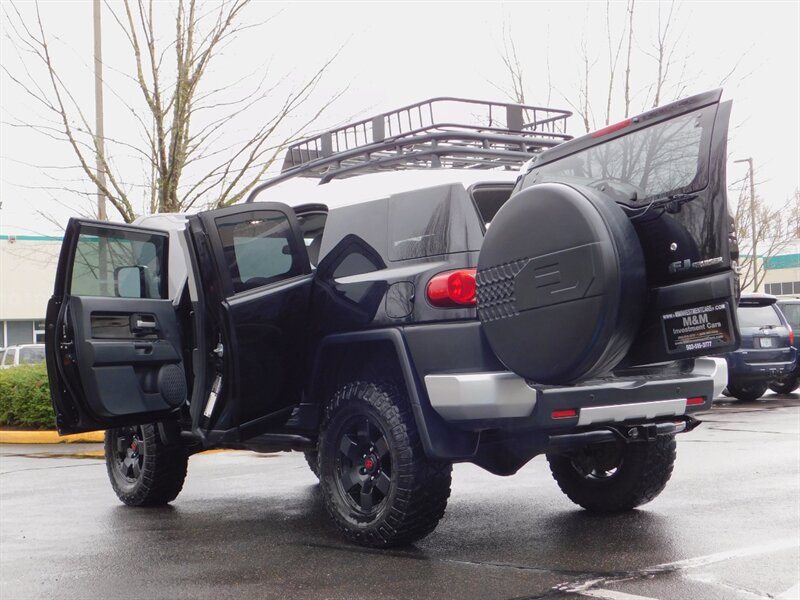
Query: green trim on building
[[784, 261], [33, 238]]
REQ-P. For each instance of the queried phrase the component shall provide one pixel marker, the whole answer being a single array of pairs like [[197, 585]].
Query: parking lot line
[[591, 587]]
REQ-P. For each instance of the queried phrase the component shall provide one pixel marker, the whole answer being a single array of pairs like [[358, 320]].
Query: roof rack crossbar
[[420, 116], [411, 160], [484, 135], [517, 149]]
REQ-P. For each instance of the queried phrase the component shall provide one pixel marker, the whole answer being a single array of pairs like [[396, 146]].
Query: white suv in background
[[26, 354]]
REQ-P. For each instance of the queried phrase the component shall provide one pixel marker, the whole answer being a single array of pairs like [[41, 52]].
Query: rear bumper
[[744, 365], [478, 400]]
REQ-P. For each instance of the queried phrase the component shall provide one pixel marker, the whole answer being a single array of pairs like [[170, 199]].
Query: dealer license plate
[[698, 328]]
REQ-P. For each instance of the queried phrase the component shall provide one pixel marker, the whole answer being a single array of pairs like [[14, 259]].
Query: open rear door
[[256, 276], [113, 344]]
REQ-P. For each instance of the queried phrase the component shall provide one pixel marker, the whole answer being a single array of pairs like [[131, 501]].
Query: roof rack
[[437, 133]]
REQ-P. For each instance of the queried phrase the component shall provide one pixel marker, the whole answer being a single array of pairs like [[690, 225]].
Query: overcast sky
[[398, 53]]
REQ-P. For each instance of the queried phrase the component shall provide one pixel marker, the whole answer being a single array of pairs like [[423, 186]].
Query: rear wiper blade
[[674, 203]]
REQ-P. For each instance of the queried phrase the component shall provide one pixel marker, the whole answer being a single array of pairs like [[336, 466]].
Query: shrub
[[25, 397]]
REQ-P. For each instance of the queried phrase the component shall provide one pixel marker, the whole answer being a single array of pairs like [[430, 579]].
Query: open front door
[[113, 344], [256, 285]]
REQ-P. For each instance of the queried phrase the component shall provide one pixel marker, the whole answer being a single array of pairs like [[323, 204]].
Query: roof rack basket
[[438, 133]]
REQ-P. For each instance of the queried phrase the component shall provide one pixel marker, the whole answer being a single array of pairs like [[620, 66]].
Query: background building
[[27, 270], [783, 272]]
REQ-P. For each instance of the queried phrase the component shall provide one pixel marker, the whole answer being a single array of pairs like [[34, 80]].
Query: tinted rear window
[[664, 159], [758, 316], [431, 222], [489, 198]]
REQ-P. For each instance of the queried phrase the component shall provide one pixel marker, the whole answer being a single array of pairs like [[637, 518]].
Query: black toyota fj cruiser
[[479, 293]]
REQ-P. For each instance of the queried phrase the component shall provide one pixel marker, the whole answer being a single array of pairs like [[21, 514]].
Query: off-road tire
[[154, 476], [641, 474], [416, 488], [748, 392], [785, 385], [312, 458]]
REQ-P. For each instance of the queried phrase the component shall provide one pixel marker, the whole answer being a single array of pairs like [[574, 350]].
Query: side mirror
[[130, 282]]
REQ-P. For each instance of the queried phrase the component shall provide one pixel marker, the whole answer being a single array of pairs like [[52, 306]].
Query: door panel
[[112, 338], [114, 370], [257, 281]]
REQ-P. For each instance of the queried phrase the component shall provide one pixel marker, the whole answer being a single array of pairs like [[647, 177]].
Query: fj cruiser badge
[[688, 265]]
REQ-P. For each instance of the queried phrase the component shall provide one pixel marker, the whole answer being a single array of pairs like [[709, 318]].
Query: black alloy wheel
[[143, 470], [602, 464], [615, 477], [378, 486], [363, 464], [129, 450]]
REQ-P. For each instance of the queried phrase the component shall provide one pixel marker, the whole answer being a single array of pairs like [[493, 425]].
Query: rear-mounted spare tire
[[560, 283]]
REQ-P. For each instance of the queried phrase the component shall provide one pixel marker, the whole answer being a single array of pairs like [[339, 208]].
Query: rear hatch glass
[[666, 169], [758, 316], [665, 159]]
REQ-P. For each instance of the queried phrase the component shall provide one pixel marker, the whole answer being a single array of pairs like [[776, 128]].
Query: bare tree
[[181, 142], [513, 68], [774, 230], [627, 86], [659, 66], [613, 58], [663, 51], [794, 214]]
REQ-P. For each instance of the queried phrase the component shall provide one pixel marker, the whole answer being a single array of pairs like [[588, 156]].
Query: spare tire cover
[[560, 283]]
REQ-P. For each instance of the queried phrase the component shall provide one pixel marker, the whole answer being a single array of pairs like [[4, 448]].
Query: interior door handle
[[143, 323]]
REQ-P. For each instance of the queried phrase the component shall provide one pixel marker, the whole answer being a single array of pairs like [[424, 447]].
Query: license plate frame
[[698, 328]]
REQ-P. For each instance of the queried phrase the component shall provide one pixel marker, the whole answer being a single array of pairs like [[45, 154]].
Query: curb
[[48, 437]]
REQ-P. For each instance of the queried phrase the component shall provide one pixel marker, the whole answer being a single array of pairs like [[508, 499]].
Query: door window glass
[[257, 248], [119, 263]]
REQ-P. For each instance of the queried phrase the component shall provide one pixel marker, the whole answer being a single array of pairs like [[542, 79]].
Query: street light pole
[[754, 243], [98, 112]]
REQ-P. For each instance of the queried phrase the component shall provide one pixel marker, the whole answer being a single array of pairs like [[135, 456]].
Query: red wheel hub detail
[[369, 463]]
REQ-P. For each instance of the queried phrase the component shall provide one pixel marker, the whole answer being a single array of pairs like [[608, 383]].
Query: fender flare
[[439, 440]]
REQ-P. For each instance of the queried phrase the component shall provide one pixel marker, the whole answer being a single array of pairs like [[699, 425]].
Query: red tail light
[[564, 414], [694, 401], [791, 337], [452, 289]]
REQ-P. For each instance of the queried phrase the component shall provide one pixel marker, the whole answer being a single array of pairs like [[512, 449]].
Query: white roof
[[353, 190]]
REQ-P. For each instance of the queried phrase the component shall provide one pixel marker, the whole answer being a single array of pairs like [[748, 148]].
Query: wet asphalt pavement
[[253, 526]]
